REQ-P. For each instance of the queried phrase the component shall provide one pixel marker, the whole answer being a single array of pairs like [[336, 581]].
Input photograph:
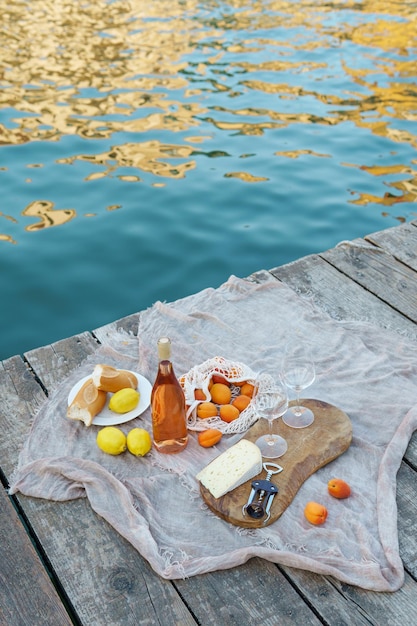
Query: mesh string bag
[[234, 372]]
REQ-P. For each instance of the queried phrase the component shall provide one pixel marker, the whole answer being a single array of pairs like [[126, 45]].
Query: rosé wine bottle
[[168, 405]]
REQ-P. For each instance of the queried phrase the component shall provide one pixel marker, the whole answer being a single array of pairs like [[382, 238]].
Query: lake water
[[150, 150]]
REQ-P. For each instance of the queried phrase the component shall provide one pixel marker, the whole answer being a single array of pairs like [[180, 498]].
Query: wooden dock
[[62, 564]]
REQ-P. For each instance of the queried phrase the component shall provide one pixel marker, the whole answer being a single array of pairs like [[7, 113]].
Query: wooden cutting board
[[309, 449]]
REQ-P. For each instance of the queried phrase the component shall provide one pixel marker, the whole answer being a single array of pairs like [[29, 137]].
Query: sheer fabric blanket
[[155, 503]]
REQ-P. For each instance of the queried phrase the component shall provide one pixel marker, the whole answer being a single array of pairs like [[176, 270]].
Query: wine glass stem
[[297, 408], [271, 438]]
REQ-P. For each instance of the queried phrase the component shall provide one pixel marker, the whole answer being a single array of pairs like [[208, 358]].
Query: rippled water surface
[[150, 149]]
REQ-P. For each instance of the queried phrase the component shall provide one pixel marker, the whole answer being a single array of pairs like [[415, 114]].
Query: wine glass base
[[304, 419], [271, 446]]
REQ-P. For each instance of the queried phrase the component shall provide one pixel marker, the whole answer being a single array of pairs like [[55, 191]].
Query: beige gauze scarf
[[155, 502]]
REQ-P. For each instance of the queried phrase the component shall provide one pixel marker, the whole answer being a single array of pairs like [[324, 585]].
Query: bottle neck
[[165, 367]]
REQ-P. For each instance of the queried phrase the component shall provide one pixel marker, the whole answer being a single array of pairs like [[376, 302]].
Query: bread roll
[[108, 378], [88, 402]]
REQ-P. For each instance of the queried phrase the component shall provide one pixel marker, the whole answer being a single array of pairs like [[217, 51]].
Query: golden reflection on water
[[147, 156], [47, 215], [96, 69]]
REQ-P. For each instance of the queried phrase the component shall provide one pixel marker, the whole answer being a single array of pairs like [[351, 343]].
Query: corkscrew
[[262, 494]]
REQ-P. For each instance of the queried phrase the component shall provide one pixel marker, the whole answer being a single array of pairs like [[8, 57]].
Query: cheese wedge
[[232, 468]]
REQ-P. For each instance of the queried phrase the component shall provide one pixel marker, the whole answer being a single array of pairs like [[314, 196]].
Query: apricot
[[199, 394], [229, 413], [218, 378], [206, 409], [220, 393], [315, 513], [338, 488], [241, 402], [247, 390], [209, 437]]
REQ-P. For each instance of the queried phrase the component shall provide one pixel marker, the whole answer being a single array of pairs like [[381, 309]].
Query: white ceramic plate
[[110, 418]]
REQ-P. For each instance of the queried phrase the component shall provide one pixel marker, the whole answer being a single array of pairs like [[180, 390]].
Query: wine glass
[[298, 374], [271, 401]]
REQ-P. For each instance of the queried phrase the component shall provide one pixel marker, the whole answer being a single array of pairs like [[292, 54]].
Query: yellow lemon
[[124, 400], [111, 440], [139, 441]]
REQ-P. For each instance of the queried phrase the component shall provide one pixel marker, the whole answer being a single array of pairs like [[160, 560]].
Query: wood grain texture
[[346, 605], [401, 242], [407, 517], [20, 397], [256, 593], [128, 324], [380, 273], [341, 297], [27, 596], [309, 449], [53, 363]]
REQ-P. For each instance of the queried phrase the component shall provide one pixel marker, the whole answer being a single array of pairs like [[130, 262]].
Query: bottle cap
[[164, 348]]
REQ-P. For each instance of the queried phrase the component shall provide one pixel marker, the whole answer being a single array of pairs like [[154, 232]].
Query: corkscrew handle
[[262, 494]]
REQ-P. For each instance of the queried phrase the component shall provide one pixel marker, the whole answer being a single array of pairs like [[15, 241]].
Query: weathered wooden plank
[[377, 271], [53, 363], [27, 596], [407, 517], [346, 605], [254, 593], [104, 577], [339, 296], [127, 324], [411, 452], [400, 241], [20, 397]]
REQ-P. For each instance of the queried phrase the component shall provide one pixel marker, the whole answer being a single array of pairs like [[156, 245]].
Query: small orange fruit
[[218, 378], [241, 402], [315, 513], [338, 488], [247, 390], [229, 413], [206, 409], [209, 437], [220, 393], [199, 394]]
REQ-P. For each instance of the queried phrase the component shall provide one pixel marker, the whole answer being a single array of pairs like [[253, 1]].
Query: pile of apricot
[[222, 404]]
